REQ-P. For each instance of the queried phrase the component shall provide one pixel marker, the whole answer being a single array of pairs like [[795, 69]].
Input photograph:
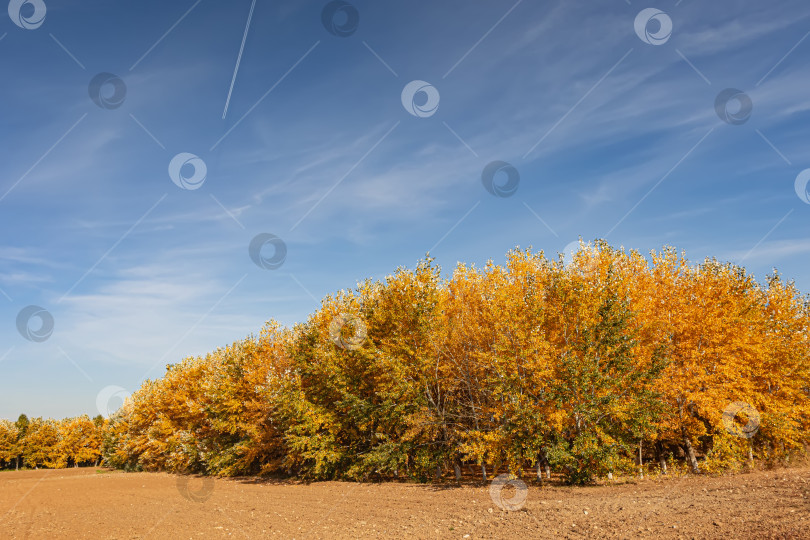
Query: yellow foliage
[[572, 364]]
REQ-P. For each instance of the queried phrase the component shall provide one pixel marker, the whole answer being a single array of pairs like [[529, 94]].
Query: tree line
[[586, 368], [35, 443]]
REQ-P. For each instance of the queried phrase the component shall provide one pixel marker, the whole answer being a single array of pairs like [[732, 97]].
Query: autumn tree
[[39, 444], [79, 442], [9, 440]]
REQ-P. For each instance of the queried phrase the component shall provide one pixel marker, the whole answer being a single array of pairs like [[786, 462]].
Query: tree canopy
[[585, 366]]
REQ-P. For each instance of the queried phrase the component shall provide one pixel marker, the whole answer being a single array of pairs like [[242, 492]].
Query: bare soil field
[[96, 503]]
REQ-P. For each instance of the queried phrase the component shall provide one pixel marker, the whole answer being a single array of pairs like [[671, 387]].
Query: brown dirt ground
[[95, 503]]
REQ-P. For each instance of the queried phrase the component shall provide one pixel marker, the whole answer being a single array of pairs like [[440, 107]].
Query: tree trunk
[[751, 453], [17, 466], [659, 454], [543, 460], [484, 472], [539, 472], [457, 470], [640, 461], [690, 454], [438, 472]]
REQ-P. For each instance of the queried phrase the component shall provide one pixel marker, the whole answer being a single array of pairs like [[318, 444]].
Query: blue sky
[[612, 137]]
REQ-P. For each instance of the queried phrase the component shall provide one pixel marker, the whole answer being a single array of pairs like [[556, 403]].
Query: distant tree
[[79, 442], [22, 429], [9, 437], [39, 445]]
